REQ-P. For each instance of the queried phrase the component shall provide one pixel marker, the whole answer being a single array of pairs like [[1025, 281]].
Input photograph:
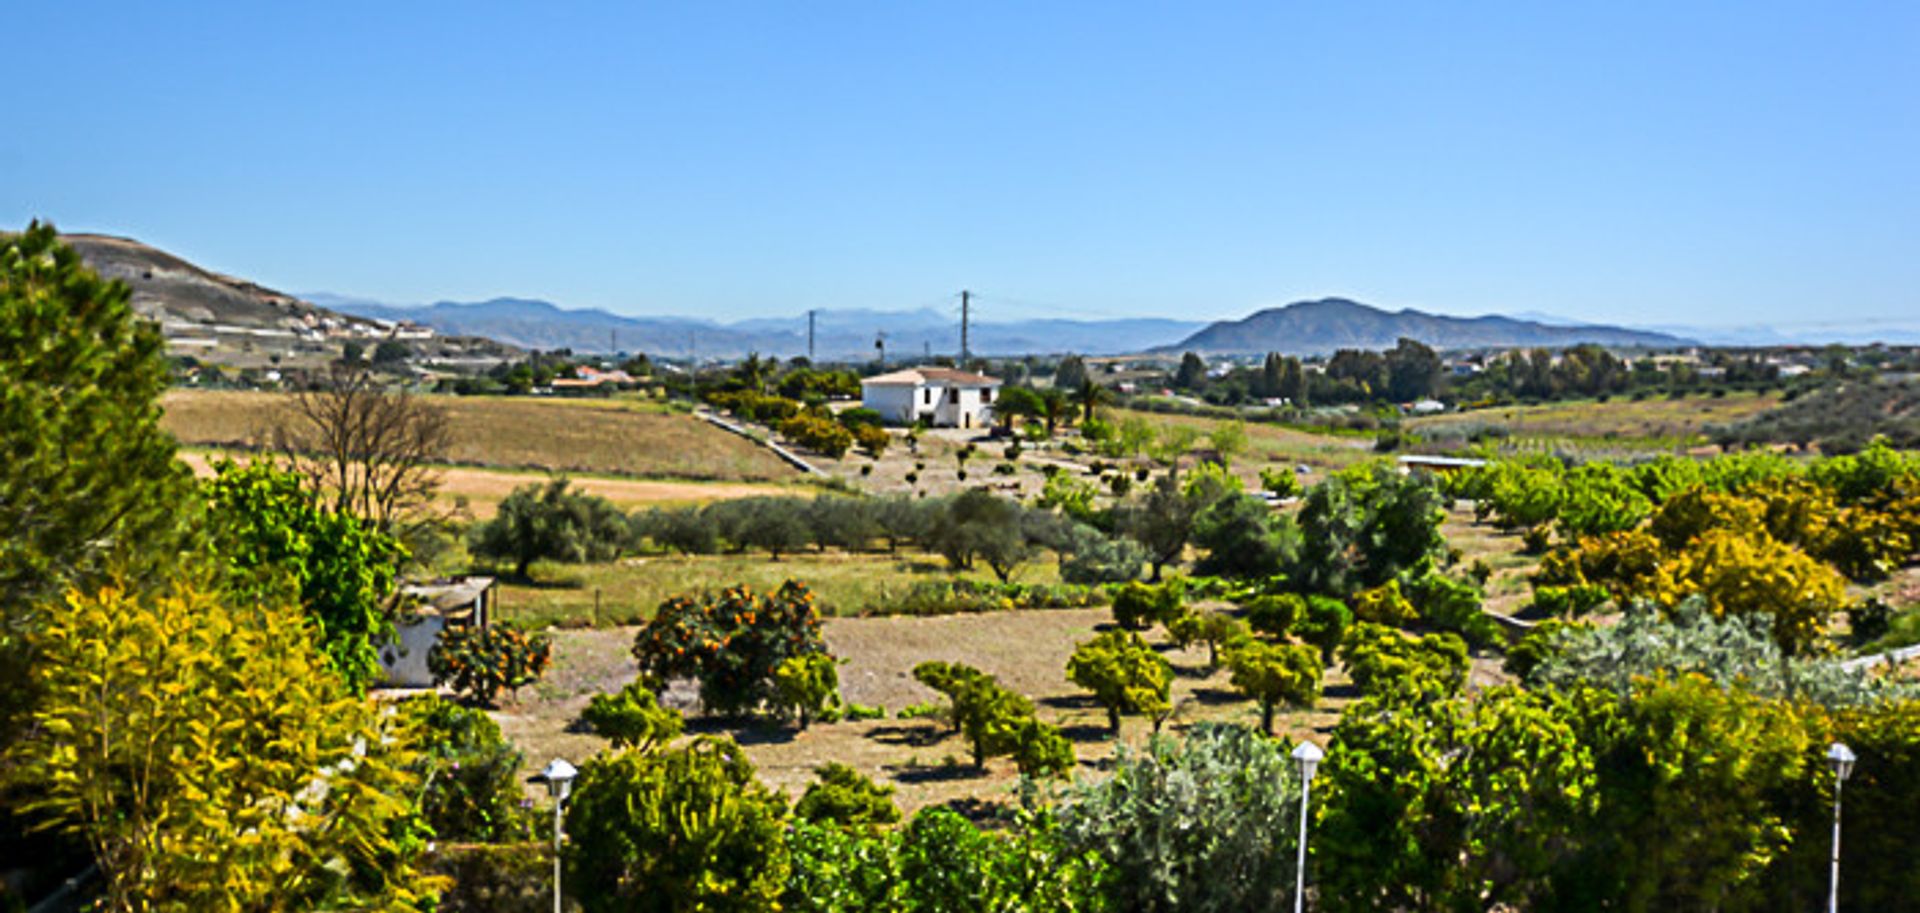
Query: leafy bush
[[1735, 651], [1379, 658], [1364, 526], [550, 522], [994, 720], [731, 643], [807, 688], [1138, 606], [265, 523], [1275, 674], [681, 829], [1124, 674], [1384, 605], [481, 662], [1569, 601], [1324, 625], [822, 435], [1207, 822], [843, 796], [1244, 538], [471, 774], [1446, 604], [633, 718], [1281, 482], [872, 438]]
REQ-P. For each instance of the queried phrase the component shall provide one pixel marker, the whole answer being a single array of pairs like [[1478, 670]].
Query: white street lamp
[[558, 776], [1308, 756], [1841, 758]]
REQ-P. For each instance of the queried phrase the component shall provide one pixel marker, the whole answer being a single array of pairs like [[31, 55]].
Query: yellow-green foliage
[[1275, 673], [807, 688], [1124, 674], [1384, 605], [212, 760], [1745, 573]]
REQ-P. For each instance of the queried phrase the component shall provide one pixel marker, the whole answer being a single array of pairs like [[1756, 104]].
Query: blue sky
[[1645, 163]]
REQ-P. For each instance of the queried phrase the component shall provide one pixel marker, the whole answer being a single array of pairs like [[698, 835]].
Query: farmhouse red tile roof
[[948, 376]]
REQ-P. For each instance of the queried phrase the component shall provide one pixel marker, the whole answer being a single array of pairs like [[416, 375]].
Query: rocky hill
[[220, 318], [1319, 327]]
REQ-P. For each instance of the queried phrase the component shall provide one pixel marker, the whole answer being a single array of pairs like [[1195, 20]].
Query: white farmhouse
[[942, 397]]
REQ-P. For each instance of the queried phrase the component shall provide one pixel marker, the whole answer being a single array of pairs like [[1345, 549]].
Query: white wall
[[405, 657], [894, 402]]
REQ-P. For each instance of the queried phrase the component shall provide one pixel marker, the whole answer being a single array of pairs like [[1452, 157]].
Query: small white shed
[[438, 605]]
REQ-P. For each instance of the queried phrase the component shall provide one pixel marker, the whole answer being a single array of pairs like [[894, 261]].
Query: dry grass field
[[480, 491], [606, 437], [1652, 419]]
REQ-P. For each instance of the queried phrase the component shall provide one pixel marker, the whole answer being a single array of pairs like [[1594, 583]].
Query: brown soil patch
[[1027, 650]]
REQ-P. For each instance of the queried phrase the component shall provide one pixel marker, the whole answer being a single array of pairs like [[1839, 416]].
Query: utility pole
[[966, 298], [810, 335]]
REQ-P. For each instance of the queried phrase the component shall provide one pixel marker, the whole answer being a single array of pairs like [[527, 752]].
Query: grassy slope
[[609, 437], [1655, 419]]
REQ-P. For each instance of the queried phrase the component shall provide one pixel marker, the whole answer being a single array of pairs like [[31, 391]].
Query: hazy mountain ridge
[[838, 334], [1320, 327]]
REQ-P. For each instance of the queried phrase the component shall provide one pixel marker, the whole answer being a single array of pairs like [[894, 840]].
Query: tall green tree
[[270, 528], [548, 521], [1090, 396], [1192, 374], [87, 478]]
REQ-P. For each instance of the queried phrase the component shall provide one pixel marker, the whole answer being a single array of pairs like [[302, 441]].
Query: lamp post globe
[[1308, 756], [558, 775], [1841, 759]]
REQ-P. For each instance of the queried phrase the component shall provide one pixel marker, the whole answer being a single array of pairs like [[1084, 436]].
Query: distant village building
[[941, 397], [459, 602], [592, 377]]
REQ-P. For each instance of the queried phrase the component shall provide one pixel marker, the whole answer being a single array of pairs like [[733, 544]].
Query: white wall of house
[[894, 402], [404, 659]]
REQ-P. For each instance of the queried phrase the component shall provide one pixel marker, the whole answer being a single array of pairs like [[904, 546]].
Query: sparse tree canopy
[[368, 449]]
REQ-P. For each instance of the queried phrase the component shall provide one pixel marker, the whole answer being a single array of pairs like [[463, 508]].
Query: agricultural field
[[475, 493], [631, 438], [1655, 421], [1026, 650]]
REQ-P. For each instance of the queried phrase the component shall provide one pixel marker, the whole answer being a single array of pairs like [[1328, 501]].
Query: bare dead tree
[[369, 449]]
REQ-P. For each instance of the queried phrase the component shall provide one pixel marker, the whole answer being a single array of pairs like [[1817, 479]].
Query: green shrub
[[731, 643], [1275, 674], [633, 718], [1207, 822], [807, 688], [1275, 615], [1379, 658], [1124, 674], [470, 772], [687, 828], [1138, 606], [549, 522], [823, 435], [481, 662], [843, 796], [1324, 625]]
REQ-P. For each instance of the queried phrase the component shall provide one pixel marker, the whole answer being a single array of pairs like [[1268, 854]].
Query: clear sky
[[1630, 162]]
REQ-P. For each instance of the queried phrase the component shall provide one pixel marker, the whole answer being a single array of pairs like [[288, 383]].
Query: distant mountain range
[[1319, 327], [838, 334]]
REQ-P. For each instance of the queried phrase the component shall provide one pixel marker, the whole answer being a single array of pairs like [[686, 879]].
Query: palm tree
[[1016, 402], [1054, 406], [1089, 397]]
